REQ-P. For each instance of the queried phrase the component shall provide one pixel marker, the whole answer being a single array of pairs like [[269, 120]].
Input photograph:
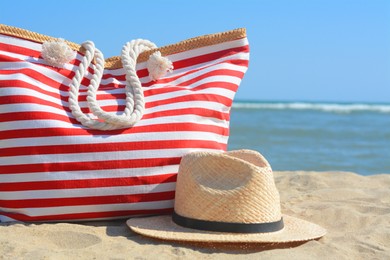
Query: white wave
[[326, 107]]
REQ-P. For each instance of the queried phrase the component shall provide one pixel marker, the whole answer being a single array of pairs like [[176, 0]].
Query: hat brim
[[162, 227]]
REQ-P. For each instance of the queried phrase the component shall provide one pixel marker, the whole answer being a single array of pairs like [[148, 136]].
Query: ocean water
[[315, 136]]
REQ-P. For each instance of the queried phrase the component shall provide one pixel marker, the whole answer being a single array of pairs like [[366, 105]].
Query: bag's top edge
[[115, 62]]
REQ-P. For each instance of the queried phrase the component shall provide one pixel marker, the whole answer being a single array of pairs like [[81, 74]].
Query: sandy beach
[[354, 209]]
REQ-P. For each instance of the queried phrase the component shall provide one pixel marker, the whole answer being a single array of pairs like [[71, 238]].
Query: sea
[[315, 136]]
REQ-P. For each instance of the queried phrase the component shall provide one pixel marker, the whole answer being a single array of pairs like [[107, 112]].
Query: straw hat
[[226, 197]]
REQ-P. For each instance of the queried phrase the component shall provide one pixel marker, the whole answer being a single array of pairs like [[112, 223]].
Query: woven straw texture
[[226, 188], [162, 227], [235, 187], [115, 62]]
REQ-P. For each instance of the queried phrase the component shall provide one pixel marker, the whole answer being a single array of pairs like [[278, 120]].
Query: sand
[[354, 209]]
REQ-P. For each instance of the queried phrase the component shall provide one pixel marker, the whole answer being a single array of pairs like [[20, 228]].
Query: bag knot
[[57, 53], [158, 66]]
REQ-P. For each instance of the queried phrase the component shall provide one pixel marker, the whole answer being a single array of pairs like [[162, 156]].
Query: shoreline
[[355, 210]]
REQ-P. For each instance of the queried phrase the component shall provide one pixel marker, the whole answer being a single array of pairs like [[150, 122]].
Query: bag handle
[[135, 102]]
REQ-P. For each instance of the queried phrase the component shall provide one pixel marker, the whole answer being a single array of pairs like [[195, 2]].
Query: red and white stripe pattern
[[54, 169]]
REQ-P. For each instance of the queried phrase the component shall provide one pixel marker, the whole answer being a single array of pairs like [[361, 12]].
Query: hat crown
[[232, 187]]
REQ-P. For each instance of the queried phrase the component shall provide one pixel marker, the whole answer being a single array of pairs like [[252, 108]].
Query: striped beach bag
[[88, 138]]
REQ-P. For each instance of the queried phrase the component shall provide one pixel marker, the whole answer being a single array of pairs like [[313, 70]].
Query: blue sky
[[307, 50]]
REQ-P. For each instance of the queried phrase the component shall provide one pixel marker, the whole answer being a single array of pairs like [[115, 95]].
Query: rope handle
[[135, 103], [58, 53]]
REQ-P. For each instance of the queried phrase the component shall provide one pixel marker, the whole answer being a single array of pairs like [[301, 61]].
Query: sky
[[300, 50]]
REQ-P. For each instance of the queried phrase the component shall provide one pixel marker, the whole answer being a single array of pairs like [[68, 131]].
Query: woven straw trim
[[115, 63], [33, 36]]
